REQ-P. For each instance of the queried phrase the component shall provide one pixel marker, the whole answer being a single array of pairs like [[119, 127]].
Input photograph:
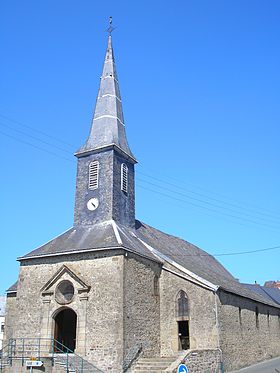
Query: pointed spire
[[108, 127]]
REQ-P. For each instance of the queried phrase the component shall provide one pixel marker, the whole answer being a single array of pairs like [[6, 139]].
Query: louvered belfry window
[[124, 178], [93, 175]]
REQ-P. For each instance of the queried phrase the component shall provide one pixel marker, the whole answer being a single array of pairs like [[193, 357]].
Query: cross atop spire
[[110, 29], [108, 129]]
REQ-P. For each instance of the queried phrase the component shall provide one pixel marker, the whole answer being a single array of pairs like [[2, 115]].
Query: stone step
[[150, 371], [62, 367], [153, 365], [152, 359], [155, 361]]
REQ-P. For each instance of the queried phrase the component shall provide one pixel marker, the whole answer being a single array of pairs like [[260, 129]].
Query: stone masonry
[[249, 331]]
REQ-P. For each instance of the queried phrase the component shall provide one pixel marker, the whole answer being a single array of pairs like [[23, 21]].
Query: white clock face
[[92, 204]]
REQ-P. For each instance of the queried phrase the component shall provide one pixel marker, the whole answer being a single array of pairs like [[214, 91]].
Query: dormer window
[[124, 178], [93, 175]]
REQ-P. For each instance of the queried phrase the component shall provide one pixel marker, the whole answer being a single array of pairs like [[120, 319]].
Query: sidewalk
[[268, 366]]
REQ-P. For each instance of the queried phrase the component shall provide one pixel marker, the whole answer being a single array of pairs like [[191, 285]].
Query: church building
[[111, 295]]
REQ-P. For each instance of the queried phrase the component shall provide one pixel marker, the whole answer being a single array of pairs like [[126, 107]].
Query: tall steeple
[[108, 128], [105, 175]]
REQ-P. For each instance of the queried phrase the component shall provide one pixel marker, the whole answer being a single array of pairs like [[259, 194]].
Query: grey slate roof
[[107, 127], [88, 238], [13, 288], [2, 305], [110, 236], [270, 293]]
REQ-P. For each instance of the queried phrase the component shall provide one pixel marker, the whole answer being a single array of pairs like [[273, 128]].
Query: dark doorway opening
[[184, 335], [65, 330]]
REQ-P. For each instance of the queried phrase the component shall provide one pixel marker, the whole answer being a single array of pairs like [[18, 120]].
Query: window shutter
[[124, 178], [93, 175]]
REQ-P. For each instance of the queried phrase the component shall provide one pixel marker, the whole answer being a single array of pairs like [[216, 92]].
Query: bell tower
[[105, 175]]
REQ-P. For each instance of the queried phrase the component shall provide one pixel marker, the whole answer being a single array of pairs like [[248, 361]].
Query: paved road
[[268, 366]]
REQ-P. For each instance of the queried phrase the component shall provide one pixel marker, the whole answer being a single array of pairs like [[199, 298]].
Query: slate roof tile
[[103, 236]]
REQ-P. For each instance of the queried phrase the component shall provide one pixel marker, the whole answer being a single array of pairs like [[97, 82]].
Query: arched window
[[93, 175], [124, 178], [182, 304]]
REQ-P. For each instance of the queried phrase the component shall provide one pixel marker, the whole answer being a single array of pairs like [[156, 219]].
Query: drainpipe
[[218, 334]]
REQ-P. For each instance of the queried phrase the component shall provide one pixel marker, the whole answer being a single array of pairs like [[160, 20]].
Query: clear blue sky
[[200, 87]]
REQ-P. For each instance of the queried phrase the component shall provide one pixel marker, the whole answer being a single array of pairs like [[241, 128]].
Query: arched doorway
[[65, 329]]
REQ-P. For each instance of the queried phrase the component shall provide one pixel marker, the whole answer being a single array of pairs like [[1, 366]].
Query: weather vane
[[110, 29]]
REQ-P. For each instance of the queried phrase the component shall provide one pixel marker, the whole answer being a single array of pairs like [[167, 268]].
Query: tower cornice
[[80, 154]]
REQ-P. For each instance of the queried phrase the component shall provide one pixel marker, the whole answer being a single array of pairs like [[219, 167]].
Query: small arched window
[[93, 175], [182, 304], [124, 178]]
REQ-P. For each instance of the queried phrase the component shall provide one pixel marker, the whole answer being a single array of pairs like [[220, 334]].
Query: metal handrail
[[27, 348]]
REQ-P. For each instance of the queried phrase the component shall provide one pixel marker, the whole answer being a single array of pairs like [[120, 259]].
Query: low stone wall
[[131, 356], [199, 361]]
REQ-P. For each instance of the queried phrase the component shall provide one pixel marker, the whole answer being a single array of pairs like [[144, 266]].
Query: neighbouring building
[[272, 284], [2, 318], [120, 293]]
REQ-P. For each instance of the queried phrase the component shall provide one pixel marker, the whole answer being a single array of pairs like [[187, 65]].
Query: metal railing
[[23, 349]]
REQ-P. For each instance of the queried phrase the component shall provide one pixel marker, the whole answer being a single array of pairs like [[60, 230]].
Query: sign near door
[[182, 368]]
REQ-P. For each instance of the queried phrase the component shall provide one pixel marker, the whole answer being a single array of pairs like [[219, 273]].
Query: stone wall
[[202, 361], [199, 361], [99, 309], [141, 305], [11, 316], [202, 315], [245, 338]]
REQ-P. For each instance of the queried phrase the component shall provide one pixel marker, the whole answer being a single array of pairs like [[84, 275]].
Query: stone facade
[[202, 315], [99, 310], [113, 298], [118, 308], [141, 306], [249, 331]]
